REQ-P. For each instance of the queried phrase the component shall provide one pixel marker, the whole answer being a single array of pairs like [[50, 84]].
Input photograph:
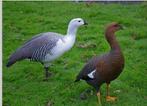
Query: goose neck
[[110, 36], [72, 30]]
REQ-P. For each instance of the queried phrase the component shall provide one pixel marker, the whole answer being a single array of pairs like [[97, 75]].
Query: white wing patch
[[90, 75]]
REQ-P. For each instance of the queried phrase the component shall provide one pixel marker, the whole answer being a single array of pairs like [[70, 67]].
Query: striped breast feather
[[40, 53]]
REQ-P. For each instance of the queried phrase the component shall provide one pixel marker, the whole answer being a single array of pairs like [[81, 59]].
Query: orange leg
[[99, 98], [108, 97]]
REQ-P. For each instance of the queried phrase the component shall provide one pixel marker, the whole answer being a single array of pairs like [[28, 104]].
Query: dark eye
[[79, 21]]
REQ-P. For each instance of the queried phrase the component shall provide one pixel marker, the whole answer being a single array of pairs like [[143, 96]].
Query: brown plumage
[[105, 68]]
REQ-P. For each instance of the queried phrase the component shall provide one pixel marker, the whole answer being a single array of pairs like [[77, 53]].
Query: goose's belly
[[59, 49]]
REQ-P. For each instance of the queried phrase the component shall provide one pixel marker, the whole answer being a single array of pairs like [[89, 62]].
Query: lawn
[[22, 83]]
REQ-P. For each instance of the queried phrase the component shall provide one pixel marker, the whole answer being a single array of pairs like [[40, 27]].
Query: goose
[[48, 46], [105, 68]]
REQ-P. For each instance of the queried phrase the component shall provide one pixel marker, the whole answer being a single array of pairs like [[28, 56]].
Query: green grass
[[22, 83]]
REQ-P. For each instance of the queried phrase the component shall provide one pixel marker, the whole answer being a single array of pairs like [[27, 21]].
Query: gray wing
[[36, 48], [40, 53]]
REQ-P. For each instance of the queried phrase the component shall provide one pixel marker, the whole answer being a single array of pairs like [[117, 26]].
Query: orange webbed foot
[[110, 98]]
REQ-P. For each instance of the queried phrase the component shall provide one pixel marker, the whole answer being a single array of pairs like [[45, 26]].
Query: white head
[[74, 24]]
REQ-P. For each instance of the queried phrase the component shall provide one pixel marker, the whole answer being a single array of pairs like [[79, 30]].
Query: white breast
[[62, 46]]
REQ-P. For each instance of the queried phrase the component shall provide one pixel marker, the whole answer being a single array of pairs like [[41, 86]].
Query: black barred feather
[[36, 48]]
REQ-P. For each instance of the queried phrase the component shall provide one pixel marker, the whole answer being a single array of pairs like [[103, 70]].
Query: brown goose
[[105, 68]]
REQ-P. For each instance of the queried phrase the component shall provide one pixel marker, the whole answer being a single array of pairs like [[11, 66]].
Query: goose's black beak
[[85, 23]]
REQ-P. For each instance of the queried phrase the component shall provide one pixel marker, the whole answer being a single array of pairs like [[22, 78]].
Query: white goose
[[46, 47]]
